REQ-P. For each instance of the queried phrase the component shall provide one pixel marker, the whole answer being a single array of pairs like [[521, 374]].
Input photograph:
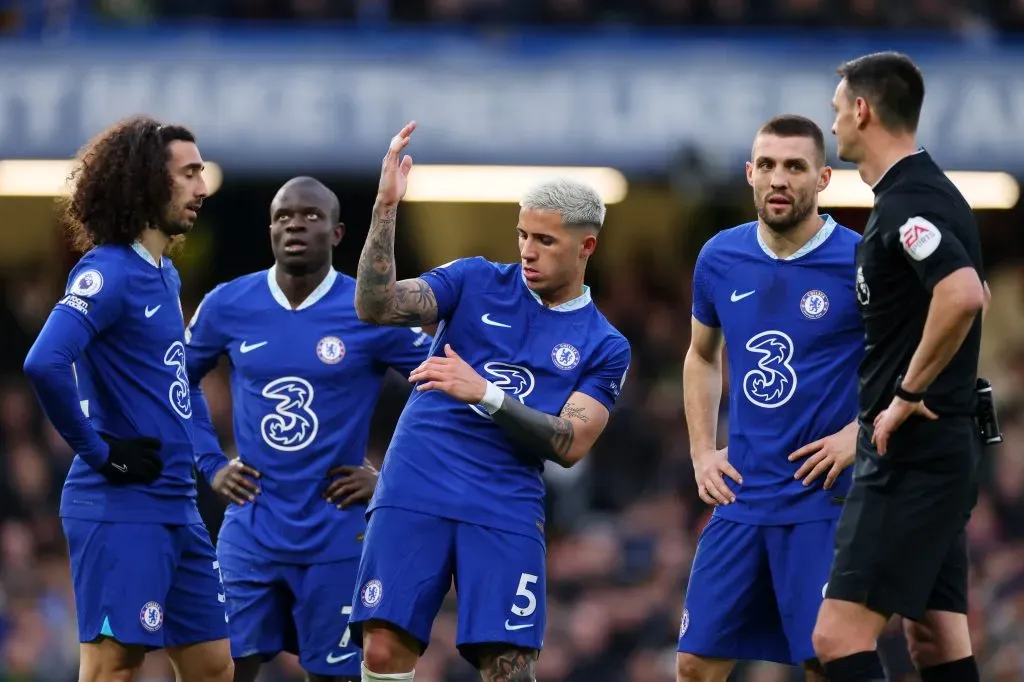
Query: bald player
[[305, 376]]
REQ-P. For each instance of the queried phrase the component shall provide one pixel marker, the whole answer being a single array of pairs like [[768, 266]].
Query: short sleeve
[[932, 249], [404, 348], [95, 293], [205, 339], [605, 378], [704, 290], [447, 281]]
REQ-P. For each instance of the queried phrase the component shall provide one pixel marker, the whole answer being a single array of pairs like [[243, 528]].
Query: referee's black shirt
[[920, 230]]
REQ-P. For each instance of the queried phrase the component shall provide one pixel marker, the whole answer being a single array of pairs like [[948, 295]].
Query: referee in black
[[900, 543]]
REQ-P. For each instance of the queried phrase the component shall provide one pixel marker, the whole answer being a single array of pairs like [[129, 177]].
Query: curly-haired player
[[109, 369]]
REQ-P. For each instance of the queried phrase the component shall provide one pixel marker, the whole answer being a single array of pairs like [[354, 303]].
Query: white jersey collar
[[580, 301], [314, 296], [144, 254], [814, 242]]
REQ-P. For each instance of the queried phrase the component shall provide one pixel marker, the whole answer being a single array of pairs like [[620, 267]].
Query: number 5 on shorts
[[525, 580]]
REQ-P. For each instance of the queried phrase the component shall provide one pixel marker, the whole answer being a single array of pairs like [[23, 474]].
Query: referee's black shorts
[[901, 546]]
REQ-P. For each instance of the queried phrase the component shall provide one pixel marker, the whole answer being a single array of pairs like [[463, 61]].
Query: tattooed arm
[[564, 439], [379, 298]]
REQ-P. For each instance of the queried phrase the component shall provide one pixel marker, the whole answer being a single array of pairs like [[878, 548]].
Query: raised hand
[[394, 172]]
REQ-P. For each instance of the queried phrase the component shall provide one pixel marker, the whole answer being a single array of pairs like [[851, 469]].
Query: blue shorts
[[410, 560], [298, 608], [145, 583], [755, 591]]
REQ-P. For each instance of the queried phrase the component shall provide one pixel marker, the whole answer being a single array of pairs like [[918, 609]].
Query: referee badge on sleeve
[[919, 238]]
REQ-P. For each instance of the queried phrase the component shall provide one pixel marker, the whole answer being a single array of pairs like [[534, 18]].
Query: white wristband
[[493, 398]]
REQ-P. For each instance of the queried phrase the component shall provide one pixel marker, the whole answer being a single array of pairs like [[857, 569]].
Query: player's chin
[[178, 227], [294, 263], [781, 224], [844, 153], [539, 287]]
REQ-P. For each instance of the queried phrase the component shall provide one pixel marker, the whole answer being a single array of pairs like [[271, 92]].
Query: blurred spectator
[[971, 19]]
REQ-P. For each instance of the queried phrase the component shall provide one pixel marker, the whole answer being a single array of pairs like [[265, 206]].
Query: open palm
[[394, 173]]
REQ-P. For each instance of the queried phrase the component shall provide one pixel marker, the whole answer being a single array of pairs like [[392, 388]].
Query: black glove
[[134, 460]]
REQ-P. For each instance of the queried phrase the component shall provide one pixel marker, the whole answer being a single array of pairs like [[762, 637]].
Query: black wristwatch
[[904, 394]]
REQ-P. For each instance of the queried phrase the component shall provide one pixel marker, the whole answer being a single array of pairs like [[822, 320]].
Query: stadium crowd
[[968, 18]]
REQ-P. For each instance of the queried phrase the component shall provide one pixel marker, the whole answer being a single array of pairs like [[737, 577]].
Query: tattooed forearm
[[536, 433], [379, 298], [512, 666], [572, 411], [413, 304]]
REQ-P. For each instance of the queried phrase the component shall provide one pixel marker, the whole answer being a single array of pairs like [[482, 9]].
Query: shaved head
[[314, 187]]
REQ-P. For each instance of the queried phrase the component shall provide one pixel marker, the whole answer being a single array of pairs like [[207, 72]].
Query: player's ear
[[339, 234], [863, 112], [824, 178], [750, 173], [588, 245]]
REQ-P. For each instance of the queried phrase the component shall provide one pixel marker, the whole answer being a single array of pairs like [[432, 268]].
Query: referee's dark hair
[[892, 84], [791, 125]]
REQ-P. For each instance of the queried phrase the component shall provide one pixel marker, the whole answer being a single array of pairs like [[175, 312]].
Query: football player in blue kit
[[305, 376], [524, 370], [109, 370], [779, 294]]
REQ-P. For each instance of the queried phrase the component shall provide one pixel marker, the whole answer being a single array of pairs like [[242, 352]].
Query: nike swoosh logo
[[739, 297], [332, 659], [486, 319], [150, 312], [246, 347], [120, 467], [510, 627]]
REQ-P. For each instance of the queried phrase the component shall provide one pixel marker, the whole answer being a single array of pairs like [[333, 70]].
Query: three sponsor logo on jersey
[[773, 381]]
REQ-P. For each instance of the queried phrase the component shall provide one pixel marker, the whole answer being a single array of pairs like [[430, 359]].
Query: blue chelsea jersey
[[304, 384], [132, 382], [794, 341], [449, 459]]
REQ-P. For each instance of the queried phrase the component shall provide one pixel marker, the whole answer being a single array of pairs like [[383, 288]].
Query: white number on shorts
[[347, 637], [525, 580]]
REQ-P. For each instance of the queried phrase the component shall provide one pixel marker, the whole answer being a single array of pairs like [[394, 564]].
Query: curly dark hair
[[120, 185]]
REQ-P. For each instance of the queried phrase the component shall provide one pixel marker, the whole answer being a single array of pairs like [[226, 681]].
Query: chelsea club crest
[[565, 356], [151, 616], [330, 350], [814, 304]]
